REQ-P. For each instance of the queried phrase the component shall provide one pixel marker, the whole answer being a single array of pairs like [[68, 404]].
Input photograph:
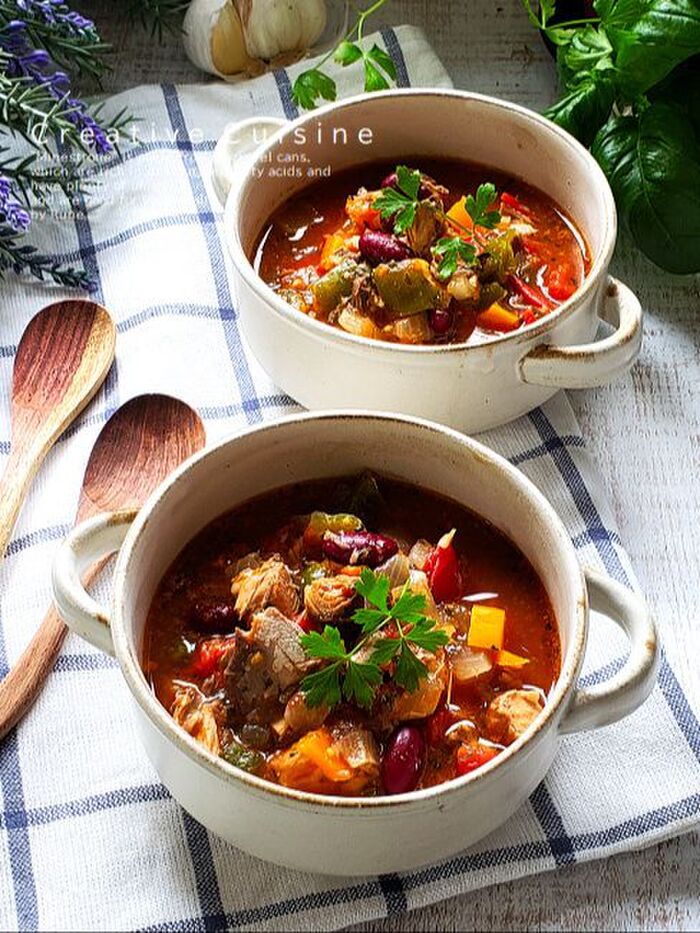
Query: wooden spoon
[[144, 441], [62, 360]]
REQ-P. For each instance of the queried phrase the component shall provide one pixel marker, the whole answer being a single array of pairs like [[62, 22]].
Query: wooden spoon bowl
[[141, 444]]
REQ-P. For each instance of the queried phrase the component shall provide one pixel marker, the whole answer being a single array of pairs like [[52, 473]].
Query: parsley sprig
[[345, 676], [401, 202], [450, 250], [479, 207], [314, 84]]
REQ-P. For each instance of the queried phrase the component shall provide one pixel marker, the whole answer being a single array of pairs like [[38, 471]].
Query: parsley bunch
[[400, 203], [347, 677]]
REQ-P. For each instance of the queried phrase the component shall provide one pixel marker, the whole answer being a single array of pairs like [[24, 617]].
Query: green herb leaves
[[479, 207], [401, 202], [653, 163], [449, 251], [312, 86], [379, 69], [626, 88], [355, 675]]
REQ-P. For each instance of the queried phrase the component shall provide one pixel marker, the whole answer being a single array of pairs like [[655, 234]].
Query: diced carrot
[[508, 659], [359, 209], [498, 318], [486, 627], [317, 747], [459, 216], [333, 243]]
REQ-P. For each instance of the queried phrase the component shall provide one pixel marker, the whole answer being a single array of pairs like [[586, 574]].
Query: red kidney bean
[[377, 246], [390, 181], [403, 760], [358, 547], [440, 320], [215, 616]]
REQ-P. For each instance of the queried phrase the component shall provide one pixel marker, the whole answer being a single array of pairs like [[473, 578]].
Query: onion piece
[[470, 663], [396, 569]]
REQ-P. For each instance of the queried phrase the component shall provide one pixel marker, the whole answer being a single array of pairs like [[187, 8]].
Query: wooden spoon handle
[[22, 685], [20, 470]]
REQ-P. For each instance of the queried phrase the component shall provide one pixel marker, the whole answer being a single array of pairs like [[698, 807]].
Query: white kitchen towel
[[89, 839]]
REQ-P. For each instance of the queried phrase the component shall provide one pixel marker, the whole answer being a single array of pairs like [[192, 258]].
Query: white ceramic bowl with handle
[[338, 835], [469, 387]]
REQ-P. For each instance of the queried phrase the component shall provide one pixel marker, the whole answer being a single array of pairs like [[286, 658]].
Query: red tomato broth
[[177, 652], [289, 251]]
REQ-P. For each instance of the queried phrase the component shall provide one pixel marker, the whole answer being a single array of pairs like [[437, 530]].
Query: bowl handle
[[239, 141], [619, 696], [596, 363], [88, 542]]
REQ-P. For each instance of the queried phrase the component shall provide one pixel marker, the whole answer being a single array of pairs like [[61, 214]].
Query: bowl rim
[[594, 177], [126, 650]]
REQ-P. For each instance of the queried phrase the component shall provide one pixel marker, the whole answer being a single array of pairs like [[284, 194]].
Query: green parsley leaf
[[374, 588], [450, 250], [425, 635], [374, 79], [408, 180], [385, 62], [326, 645], [361, 680], [478, 207], [409, 606], [370, 619], [312, 85], [384, 650], [323, 687], [410, 670], [347, 53]]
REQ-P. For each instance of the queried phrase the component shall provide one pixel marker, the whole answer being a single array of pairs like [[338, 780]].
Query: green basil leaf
[[682, 89], [653, 164], [585, 108], [650, 38]]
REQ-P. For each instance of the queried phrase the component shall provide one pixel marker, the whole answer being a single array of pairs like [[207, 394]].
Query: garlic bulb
[[233, 37]]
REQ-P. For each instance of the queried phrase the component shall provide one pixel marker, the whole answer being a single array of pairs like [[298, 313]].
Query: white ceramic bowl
[[468, 387], [337, 835]]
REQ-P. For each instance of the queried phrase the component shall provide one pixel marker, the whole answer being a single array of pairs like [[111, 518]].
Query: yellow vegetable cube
[[486, 627]]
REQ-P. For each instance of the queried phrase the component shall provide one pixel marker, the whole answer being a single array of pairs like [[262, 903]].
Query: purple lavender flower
[[11, 211], [24, 61]]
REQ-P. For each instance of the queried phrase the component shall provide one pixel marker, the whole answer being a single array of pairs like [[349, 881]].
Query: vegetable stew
[[440, 253], [355, 636]]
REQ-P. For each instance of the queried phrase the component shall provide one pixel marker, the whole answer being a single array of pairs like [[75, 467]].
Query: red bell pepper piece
[[512, 203], [470, 758], [442, 569], [532, 295], [560, 282], [208, 656]]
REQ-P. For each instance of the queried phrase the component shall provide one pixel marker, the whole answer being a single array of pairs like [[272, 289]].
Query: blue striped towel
[[89, 839]]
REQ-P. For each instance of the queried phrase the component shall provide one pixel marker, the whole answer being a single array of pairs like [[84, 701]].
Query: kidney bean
[[440, 320], [215, 616], [403, 760], [390, 181], [377, 246], [358, 547]]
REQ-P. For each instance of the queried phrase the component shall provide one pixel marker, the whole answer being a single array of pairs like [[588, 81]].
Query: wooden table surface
[[644, 432]]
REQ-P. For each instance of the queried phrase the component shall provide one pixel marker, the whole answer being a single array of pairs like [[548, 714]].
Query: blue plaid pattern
[[88, 837]]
